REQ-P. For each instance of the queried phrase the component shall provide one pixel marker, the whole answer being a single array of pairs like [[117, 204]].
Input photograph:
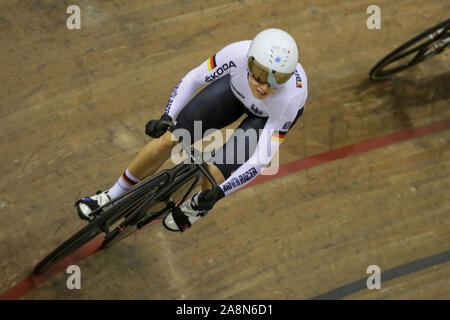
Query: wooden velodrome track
[[74, 104]]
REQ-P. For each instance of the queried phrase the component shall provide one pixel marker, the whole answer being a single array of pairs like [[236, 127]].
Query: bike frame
[[134, 206]]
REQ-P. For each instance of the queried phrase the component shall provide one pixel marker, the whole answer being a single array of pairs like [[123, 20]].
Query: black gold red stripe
[[128, 180], [278, 136], [212, 63]]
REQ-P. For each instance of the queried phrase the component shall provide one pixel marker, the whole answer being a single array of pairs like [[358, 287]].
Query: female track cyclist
[[261, 78]]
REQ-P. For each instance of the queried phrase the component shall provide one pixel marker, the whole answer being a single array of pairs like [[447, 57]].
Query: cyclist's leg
[[215, 106], [233, 153], [240, 146], [182, 218], [146, 163], [226, 160], [151, 157]]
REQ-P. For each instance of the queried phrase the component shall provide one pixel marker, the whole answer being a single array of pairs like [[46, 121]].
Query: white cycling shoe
[[181, 218], [86, 205]]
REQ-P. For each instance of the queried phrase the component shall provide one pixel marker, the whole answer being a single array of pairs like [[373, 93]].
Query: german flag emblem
[[212, 63], [298, 79], [277, 136]]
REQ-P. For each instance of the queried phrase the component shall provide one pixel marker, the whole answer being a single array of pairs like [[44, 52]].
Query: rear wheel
[[427, 44]]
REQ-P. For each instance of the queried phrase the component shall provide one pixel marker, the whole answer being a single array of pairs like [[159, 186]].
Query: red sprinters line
[[90, 248], [353, 149], [34, 280]]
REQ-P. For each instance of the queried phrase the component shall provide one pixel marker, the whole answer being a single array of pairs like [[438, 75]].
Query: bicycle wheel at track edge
[[377, 72], [86, 234], [128, 226], [75, 242]]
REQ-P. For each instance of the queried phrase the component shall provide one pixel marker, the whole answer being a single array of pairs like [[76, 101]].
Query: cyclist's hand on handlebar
[[156, 128], [207, 199]]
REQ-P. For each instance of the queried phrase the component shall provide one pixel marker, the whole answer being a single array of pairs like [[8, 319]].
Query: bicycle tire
[[83, 236], [378, 72], [95, 227]]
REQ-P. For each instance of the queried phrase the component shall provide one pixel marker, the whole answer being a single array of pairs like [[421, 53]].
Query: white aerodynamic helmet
[[272, 57]]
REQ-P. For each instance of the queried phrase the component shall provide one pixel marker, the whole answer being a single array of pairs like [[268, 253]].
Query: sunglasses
[[263, 75]]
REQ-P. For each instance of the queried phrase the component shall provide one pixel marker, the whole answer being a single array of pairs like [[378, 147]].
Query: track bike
[[148, 201], [424, 46]]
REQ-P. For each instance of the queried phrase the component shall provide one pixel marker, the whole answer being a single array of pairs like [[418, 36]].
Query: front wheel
[[75, 242], [102, 222]]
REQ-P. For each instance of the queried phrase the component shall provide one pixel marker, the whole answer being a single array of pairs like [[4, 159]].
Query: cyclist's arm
[[210, 70]]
